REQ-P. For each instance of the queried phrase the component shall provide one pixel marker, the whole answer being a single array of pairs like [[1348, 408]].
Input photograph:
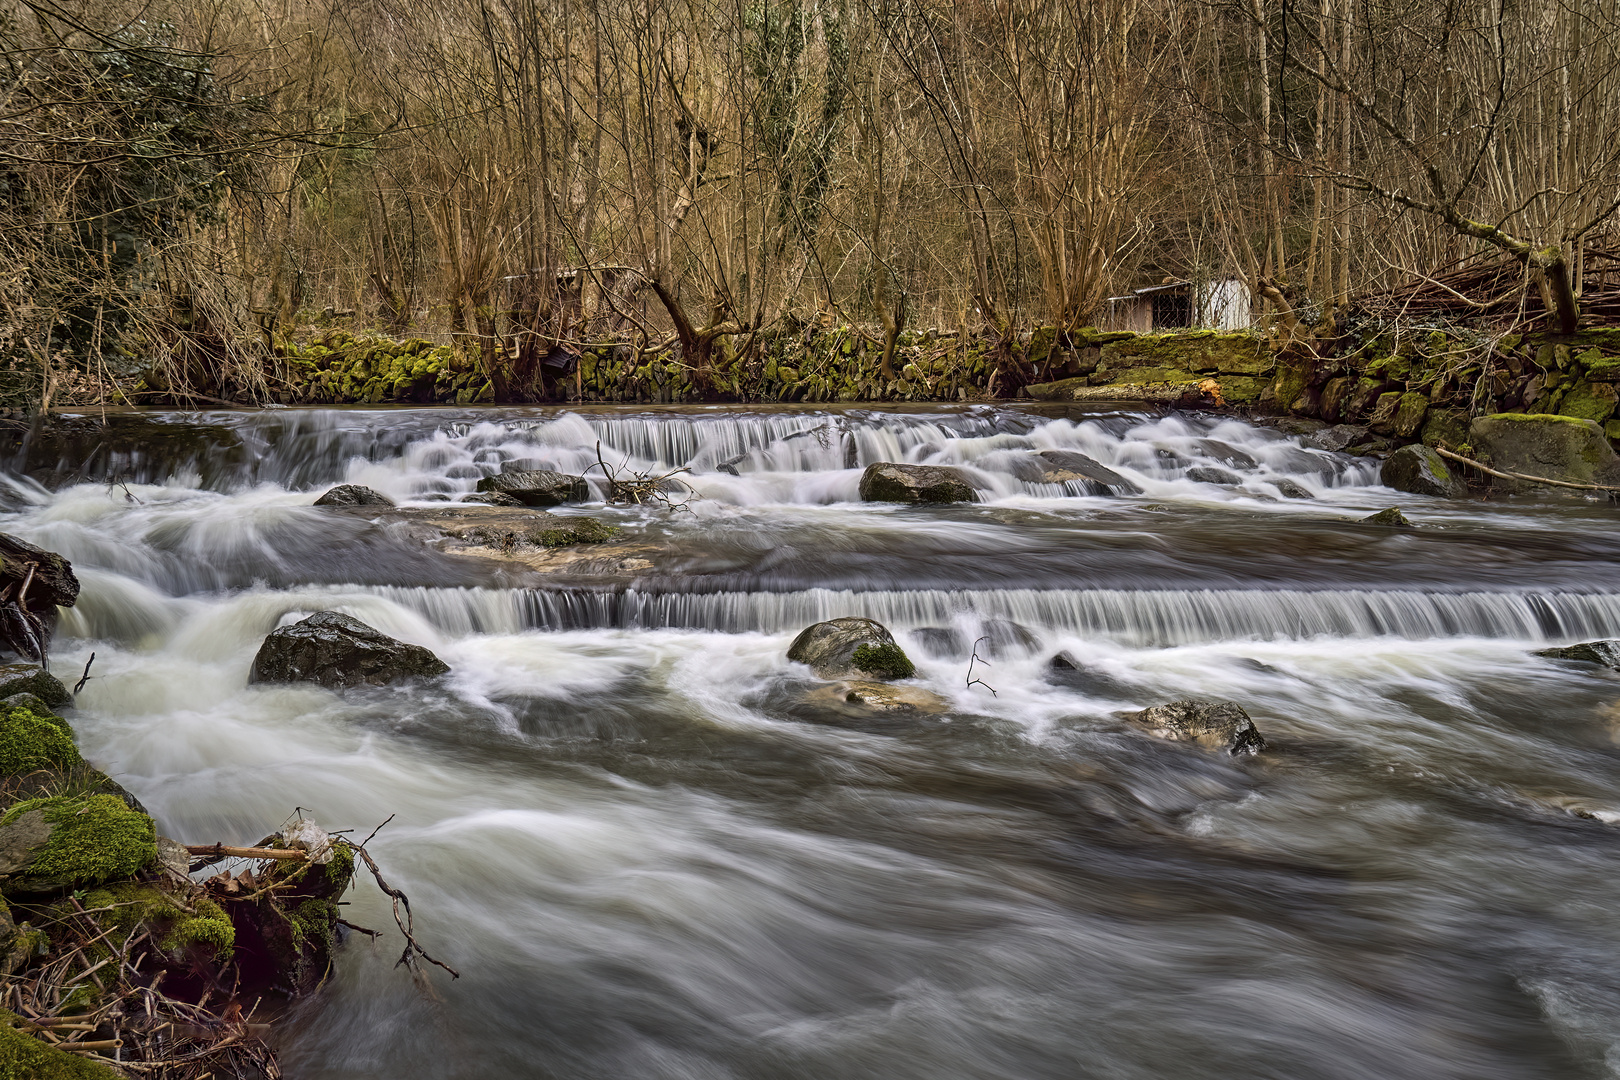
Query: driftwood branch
[[228, 851], [1482, 467]]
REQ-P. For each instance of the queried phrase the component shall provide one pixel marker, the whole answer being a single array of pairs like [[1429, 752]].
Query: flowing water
[[650, 858]]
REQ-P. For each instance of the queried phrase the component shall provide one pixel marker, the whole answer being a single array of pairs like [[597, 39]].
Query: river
[[650, 858]]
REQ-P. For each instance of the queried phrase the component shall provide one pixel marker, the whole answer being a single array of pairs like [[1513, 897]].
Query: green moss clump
[[209, 928], [886, 661], [23, 1057], [93, 839], [128, 904], [29, 741], [585, 530]]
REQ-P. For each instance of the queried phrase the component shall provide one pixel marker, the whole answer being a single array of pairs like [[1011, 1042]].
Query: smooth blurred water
[[650, 857]]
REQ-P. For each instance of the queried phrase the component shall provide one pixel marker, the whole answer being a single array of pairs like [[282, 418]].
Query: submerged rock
[[1209, 474], [851, 648], [29, 679], [1226, 454], [1338, 438], [537, 487], [891, 482], [1393, 518], [1290, 489], [353, 495], [1560, 448], [1067, 466], [491, 498], [337, 651], [879, 697], [1606, 653], [72, 841], [1217, 725], [1420, 471]]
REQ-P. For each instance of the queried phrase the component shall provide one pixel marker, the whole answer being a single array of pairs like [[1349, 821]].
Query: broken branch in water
[[228, 851], [86, 676], [406, 925], [1482, 467], [641, 488], [977, 659]]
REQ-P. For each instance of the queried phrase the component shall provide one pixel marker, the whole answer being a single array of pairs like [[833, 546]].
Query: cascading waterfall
[[655, 851]]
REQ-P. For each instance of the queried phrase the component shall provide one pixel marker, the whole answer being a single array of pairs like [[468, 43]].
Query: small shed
[[1217, 304]]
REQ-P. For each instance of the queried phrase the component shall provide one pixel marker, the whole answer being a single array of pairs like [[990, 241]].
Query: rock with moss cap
[[1391, 518], [1562, 448], [31, 679], [338, 652], [1418, 470], [851, 648], [72, 841]]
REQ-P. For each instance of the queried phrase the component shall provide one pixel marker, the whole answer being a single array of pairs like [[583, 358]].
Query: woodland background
[[184, 184]]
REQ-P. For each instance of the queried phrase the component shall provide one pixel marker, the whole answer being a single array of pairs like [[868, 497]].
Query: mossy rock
[[29, 742], [1554, 447], [1446, 427], [30, 679], [200, 926], [886, 661], [23, 1057], [1590, 401], [584, 530], [67, 841]]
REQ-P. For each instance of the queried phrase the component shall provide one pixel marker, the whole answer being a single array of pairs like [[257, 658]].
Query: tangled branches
[[643, 489]]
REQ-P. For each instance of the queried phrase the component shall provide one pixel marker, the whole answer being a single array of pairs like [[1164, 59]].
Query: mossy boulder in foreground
[[31, 679], [1420, 471], [69, 842], [29, 741]]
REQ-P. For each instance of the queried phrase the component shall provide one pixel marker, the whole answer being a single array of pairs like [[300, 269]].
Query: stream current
[[650, 858]]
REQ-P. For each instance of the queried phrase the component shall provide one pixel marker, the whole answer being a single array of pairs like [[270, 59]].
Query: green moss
[[887, 661], [29, 741], [210, 928], [92, 839], [23, 1057]]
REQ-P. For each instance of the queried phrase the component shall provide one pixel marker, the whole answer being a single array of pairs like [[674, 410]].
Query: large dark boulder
[[1550, 447], [1071, 466], [336, 651], [851, 649], [1214, 725], [1420, 471], [537, 487], [890, 482], [353, 495]]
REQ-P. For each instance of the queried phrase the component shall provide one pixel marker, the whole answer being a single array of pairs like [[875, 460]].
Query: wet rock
[[1226, 454], [1289, 489], [850, 649], [1068, 466], [1296, 425], [72, 841], [537, 487], [52, 584], [940, 642], [1338, 437], [1218, 725], [1552, 447], [1420, 471], [353, 495], [890, 482], [1606, 653], [878, 697], [1392, 518], [1064, 670], [1209, 474], [337, 652], [491, 498], [1003, 637], [28, 679]]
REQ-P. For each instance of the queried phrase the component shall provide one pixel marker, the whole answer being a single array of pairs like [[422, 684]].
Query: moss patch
[[93, 839], [885, 661], [29, 741], [23, 1057], [133, 904]]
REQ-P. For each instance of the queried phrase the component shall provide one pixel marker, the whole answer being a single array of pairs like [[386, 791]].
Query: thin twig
[[977, 659]]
